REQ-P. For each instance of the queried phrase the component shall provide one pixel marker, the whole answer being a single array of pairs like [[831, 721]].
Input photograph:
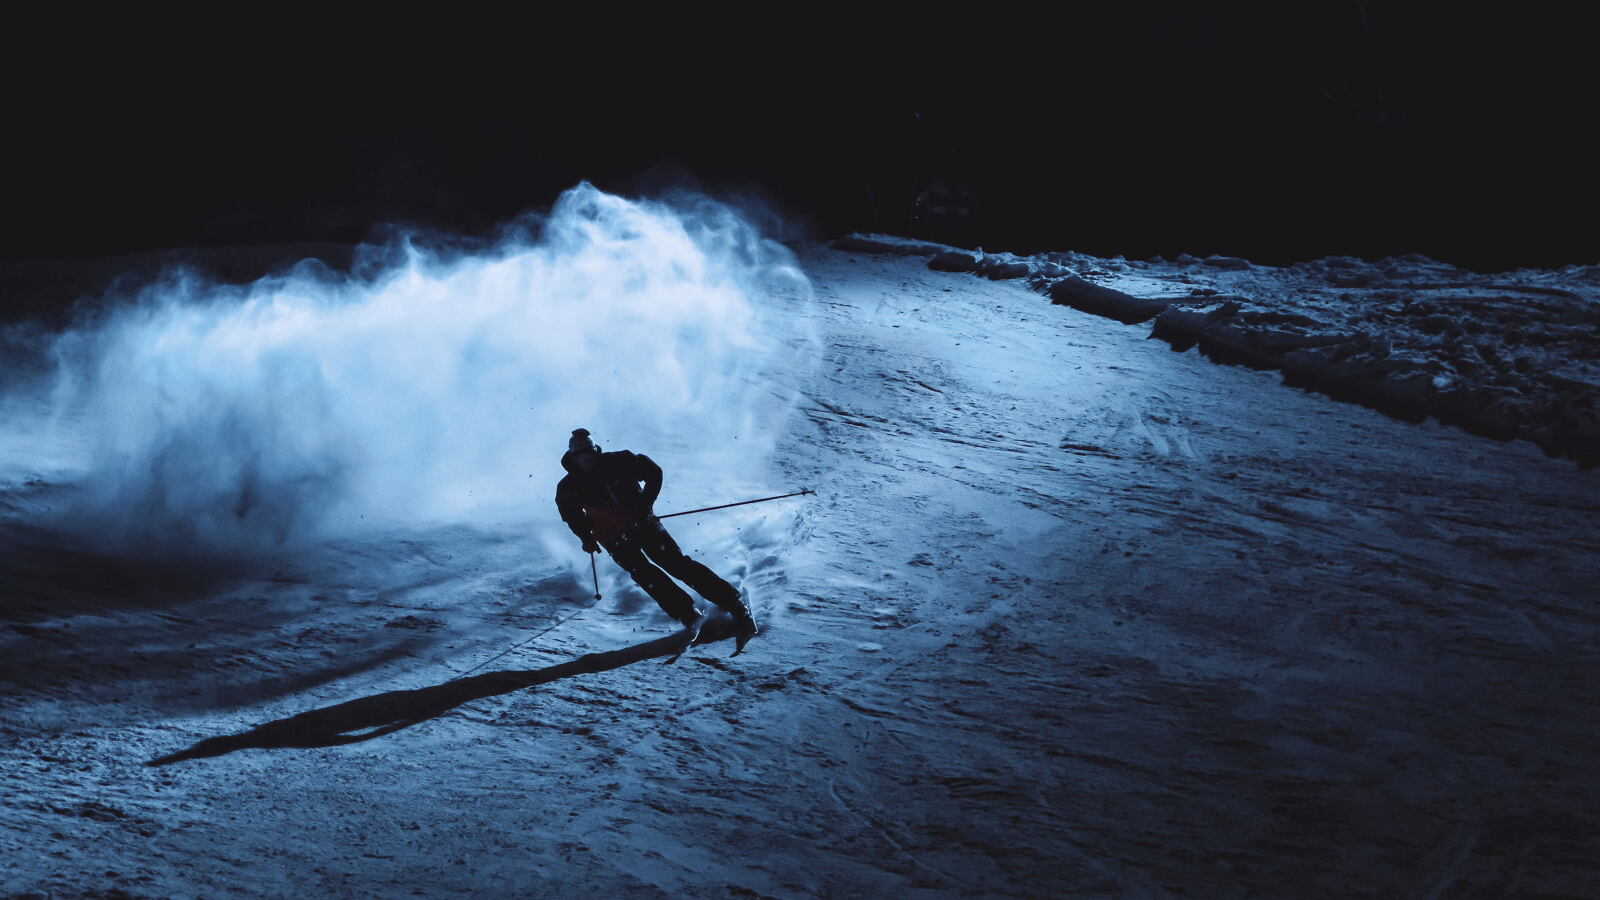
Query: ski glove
[[590, 545]]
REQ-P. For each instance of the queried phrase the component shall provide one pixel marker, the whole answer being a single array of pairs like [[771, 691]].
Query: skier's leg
[[664, 551], [675, 601]]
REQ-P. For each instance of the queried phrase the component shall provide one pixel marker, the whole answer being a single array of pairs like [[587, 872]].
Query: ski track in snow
[[1070, 615]]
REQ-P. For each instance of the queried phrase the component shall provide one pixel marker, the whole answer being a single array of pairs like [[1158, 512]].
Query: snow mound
[[1502, 358], [1512, 355], [1089, 297]]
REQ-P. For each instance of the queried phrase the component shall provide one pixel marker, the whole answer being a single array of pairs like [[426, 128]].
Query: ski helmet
[[580, 442]]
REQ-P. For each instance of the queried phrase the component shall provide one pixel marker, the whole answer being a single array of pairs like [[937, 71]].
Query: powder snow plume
[[439, 390]]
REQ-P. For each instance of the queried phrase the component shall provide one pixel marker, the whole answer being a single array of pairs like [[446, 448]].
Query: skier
[[601, 501]]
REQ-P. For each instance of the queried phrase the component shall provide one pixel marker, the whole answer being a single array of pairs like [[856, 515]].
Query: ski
[[742, 632]]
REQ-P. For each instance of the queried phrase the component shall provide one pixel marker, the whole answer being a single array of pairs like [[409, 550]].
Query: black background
[[1277, 131]]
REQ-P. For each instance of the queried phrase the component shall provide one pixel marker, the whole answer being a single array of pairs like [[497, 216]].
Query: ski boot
[[744, 628], [692, 622]]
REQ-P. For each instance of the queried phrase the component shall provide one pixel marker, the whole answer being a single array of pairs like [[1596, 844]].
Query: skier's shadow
[[381, 714]]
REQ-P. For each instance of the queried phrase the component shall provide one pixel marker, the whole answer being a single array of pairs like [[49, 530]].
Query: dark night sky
[[1275, 131]]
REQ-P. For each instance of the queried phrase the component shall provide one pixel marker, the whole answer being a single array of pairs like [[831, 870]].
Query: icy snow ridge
[[1509, 355]]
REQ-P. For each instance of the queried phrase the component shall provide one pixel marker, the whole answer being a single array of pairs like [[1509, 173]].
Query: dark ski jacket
[[609, 503]]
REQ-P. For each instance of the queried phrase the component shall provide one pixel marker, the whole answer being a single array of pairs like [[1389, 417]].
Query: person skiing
[[600, 499]]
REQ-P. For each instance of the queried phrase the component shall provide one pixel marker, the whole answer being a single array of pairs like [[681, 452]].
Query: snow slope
[[1071, 614]]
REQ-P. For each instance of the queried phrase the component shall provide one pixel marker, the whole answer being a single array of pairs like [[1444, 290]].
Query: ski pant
[[646, 550]]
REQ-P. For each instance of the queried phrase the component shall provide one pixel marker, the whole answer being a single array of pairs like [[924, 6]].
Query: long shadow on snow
[[381, 714]]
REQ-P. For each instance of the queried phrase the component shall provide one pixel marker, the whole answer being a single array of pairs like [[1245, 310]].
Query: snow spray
[[435, 388]]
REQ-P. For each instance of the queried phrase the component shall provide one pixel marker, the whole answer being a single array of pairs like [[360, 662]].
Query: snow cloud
[[437, 387]]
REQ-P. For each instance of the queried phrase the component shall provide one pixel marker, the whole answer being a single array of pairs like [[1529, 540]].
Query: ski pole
[[519, 645], [595, 571], [691, 512]]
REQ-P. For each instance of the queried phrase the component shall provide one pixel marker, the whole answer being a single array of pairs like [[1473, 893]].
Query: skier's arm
[[572, 513], [649, 473]]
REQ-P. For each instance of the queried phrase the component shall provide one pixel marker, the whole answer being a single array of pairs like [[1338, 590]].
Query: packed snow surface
[[1070, 614]]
